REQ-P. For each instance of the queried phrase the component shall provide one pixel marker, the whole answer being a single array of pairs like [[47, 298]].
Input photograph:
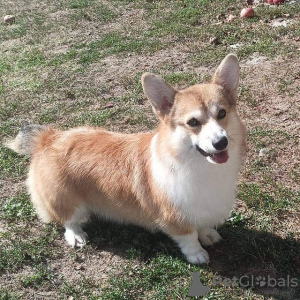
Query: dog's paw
[[208, 236], [76, 239], [199, 257], [191, 248]]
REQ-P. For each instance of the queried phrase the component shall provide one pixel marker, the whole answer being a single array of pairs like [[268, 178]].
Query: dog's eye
[[193, 122], [221, 114]]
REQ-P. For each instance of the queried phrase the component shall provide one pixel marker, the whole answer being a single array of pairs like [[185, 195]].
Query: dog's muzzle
[[202, 151], [219, 157]]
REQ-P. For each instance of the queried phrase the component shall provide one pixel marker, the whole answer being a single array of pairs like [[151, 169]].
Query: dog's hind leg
[[74, 234]]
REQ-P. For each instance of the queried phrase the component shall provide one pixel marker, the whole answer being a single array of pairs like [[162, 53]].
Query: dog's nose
[[221, 143]]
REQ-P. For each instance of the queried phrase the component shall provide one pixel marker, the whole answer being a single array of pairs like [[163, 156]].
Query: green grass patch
[[100, 13], [182, 78], [24, 84], [42, 274], [30, 59], [15, 31], [147, 281], [246, 96], [267, 202], [184, 18], [12, 165], [6, 294], [86, 288], [77, 4], [110, 43], [17, 208], [264, 136], [4, 66], [114, 43], [104, 14], [59, 59], [19, 251], [102, 117]]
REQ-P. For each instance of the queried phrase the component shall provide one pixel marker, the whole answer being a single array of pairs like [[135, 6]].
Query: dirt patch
[[9, 188], [274, 110], [113, 69]]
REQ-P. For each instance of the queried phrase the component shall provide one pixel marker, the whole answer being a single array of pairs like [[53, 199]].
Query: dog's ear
[[227, 74], [160, 93]]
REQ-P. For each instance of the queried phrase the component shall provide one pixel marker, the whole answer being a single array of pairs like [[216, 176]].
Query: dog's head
[[202, 116]]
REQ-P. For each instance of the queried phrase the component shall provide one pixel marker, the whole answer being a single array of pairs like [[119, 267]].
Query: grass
[[7, 295], [75, 4], [18, 208], [12, 166], [17, 252], [268, 202], [41, 274], [77, 62], [147, 281]]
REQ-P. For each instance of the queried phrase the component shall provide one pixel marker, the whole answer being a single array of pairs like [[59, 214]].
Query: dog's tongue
[[221, 157]]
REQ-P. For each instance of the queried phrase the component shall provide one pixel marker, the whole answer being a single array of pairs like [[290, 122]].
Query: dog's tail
[[30, 138]]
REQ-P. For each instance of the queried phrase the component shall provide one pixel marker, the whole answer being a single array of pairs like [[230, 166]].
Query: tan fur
[[110, 173], [97, 168], [106, 170]]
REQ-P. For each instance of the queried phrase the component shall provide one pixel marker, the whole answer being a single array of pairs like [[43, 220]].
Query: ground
[[75, 62]]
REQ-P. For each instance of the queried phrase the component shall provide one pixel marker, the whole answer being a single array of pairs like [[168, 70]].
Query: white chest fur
[[204, 192]]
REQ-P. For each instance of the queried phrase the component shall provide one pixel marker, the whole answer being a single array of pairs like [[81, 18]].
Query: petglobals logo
[[260, 281], [198, 289]]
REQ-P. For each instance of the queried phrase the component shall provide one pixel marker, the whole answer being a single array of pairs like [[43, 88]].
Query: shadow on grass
[[273, 260], [242, 252]]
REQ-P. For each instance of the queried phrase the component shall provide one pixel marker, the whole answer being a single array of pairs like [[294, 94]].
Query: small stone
[[79, 268], [247, 12], [214, 40], [9, 19], [262, 152], [231, 18], [108, 105]]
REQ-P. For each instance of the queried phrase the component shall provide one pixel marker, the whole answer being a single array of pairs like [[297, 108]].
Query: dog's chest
[[203, 192]]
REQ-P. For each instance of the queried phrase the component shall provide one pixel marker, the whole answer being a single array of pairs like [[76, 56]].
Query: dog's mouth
[[219, 157]]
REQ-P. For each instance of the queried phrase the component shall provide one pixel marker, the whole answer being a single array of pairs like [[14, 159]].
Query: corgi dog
[[179, 179]]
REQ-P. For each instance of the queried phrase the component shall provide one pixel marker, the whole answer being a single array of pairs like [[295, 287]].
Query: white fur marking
[[211, 130], [74, 234], [203, 192], [191, 248], [208, 236]]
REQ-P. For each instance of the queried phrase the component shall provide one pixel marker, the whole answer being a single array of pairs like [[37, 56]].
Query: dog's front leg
[[208, 236], [191, 248]]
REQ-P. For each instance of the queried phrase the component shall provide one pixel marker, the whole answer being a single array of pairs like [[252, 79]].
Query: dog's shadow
[[267, 263]]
